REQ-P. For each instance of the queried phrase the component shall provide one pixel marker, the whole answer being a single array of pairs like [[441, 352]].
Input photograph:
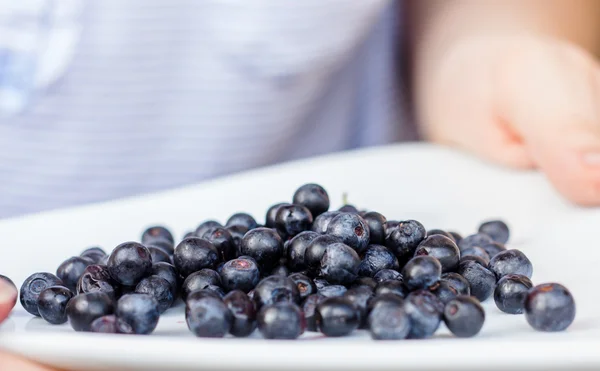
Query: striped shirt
[[113, 98]]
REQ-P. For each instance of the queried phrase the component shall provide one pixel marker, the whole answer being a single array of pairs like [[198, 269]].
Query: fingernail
[[592, 158], [8, 294]]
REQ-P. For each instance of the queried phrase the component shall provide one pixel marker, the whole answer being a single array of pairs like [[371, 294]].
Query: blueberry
[[376, 258], [293, 219], [244, 219], [390, 227], [93, 253], [313, 197], [70, 270], [206, 226], [158, 255], [199, 294], [351, 229], [129, 263], [194, 254], [359, 297], [339, 264], [322, 221], [140, 311], [441, 232], [264, 245], [9, 282], [308, 308], [200, 280], [218, 290], [96, 278], [511, 262], [510, 293], [364, 281], [421, 272], [493, 248], [496, 229], [52, 304], [389, 322], [425, 313], [223, 242], [337, 317], [243, 313], [443, 249], [83, 309], [550, 307], [464, 316], [391, 287], [332, 291], [315, 251], [383, 299], [458, 282], [159, 288], [274, 289], [166, 246], [94, 250], [478, 239], [476, 251], [376, 224], [476, 259], [320, 283], [189, 234], [283, 320], [272, 214], [111, 324], [237, 232], [155, 233], [444, 291], [208, 316], [481, 280], [169, 273], [297, 247], [388, 274], [348, 209], [33, 286], [305, 285], [405, 238], [456, 236], [280, 270]]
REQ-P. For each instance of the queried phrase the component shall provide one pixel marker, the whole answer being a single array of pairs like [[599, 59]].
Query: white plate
[[439, 187]]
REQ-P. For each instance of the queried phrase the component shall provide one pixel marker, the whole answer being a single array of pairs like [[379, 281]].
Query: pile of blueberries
[[305, 269]]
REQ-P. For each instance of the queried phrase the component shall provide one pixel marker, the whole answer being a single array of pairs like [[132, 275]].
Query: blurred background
[[103, 100]]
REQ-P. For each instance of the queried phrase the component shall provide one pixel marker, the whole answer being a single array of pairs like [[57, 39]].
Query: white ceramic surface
[[441, 188]]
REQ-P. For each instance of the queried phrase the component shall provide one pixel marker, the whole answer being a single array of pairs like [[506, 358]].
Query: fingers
[[8, 299], [550, 97], [10, 362]]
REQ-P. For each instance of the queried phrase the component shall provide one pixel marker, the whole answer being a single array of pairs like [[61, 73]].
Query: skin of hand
[[9, 362], [518, 96]]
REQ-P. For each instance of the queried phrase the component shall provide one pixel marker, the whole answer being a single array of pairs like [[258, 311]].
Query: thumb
[[556, 110], [8, 297]]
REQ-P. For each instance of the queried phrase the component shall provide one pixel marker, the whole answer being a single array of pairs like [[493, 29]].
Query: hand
[[8, 298], [522, 101]]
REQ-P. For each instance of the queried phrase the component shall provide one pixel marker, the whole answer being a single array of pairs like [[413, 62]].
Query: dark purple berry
[[313, 197], [550, 307], [70, 270], [194, 254], [464, 316], [52, 304], [511, 292], [129, 263], [496, 229], [33, 286]]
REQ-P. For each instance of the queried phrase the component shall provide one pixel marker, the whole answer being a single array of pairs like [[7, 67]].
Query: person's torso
[[142, 95]]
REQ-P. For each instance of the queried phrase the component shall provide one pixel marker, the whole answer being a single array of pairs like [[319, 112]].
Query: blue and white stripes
[[158, 94]]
